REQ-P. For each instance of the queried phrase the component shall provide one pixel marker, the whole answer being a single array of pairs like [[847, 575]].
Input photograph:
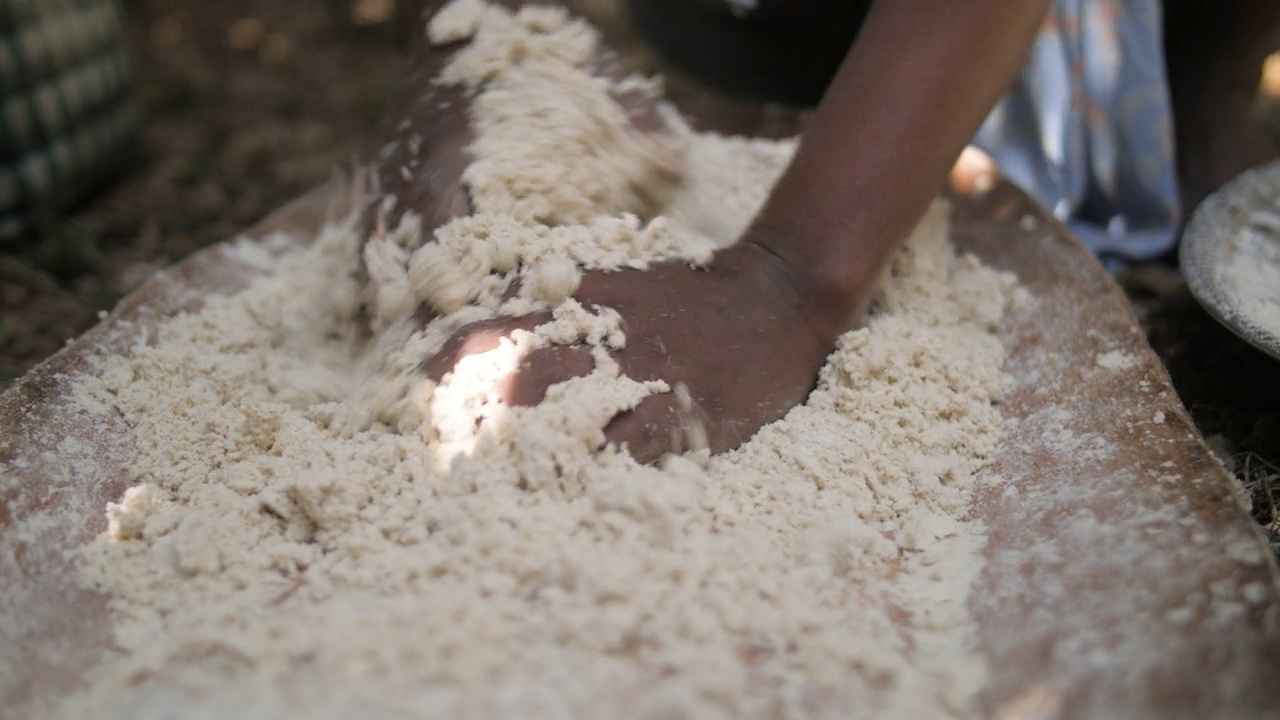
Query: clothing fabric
[[1088, 128]]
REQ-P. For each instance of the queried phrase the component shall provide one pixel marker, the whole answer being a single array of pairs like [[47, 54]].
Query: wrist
[[826, 292]]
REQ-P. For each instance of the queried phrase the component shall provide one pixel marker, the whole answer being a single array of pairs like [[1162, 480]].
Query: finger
[[974, 172], [423, 315], [542, 369], [477, 338], [660, 424], [646, 431]]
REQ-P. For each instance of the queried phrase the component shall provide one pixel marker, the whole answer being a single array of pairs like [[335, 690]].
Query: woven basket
[[68, 115]]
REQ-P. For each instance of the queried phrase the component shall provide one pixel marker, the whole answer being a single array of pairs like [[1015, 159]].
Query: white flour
[[315, 529], [1250, 273]]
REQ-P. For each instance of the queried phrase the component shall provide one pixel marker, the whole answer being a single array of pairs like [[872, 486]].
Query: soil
[[250, 103]]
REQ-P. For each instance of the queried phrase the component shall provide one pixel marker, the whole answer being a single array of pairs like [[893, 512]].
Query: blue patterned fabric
[[1088, 128]]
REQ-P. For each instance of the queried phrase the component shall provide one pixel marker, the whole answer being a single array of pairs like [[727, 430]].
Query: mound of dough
[[316, 530]]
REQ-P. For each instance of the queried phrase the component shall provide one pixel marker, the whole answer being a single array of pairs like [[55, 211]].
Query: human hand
[[743, 338]]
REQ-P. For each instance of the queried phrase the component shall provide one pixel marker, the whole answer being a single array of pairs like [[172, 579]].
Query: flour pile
[[1251, 273], [315, 529]]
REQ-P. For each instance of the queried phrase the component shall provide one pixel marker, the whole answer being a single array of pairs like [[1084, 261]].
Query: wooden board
[[1123, 577]]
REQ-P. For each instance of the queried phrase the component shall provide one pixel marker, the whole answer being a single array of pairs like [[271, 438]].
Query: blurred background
[[243, 105]]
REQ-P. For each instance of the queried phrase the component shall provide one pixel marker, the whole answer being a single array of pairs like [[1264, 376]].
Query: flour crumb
[[456, 21], [1115, 360]]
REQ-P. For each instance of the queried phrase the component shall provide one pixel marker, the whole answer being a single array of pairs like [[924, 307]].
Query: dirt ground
[[250, 103]]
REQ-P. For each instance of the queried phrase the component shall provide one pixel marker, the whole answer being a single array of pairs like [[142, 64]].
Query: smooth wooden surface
[[1124, 578]]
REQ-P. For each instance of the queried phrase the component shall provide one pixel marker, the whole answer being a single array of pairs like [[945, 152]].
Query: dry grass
[[1260, 479]]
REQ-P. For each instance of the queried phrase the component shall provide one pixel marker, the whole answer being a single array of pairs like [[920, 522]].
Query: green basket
[[69, 118]]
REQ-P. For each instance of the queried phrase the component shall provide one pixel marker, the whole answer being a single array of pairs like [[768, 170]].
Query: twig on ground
[[1260, 478]]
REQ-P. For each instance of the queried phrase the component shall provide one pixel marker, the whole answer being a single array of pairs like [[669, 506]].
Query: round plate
[[1230, 256]]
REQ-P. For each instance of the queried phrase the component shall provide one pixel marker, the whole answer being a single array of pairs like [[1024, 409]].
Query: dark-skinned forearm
[[912, 92]]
